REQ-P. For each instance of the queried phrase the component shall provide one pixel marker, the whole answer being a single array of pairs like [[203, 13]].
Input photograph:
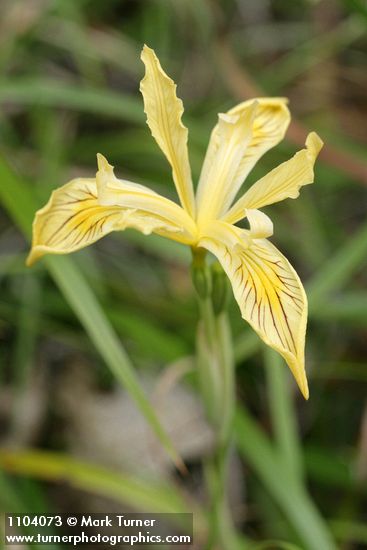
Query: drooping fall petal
[[269, 293], [267, 130], [72, 219], [164, 112], [75, 216], [283, 182]]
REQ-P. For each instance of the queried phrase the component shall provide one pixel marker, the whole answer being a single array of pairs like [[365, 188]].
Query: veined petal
[[115, 192], [74, 218], [164, 111], [267, 129], [283, 182], [217, 186], [270, 125], [220, 231], [269, 293]]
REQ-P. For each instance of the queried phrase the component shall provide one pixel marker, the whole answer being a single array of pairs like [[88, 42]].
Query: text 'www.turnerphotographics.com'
[[107, 529]]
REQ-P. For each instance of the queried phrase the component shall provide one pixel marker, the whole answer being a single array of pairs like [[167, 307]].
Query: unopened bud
[[201, 279], [200, 274]]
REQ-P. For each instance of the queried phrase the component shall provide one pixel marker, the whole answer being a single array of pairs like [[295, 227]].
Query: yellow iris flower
[[266, 287]]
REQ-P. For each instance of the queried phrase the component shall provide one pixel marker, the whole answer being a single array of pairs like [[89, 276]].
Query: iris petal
[[164, 112], [259, 134], [283, 182], [269, 293], [85, 210]]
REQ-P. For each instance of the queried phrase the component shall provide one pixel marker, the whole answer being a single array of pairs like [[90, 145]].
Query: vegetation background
[[71, 437]]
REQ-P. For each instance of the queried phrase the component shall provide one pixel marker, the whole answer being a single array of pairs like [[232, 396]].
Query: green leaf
[[141, 494], [21, 205], [282, 413], [286, 491], [348, 307], [52, 93], [337, 271]]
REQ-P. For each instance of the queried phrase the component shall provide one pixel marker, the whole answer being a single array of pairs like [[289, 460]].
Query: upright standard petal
[[164, 111], [76, 216], [283, 182], [269, 293], [267, 130], [218, 188]]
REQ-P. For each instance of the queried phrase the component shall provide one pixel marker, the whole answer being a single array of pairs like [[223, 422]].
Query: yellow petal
[[74, 218], [261, 225], [267, 129], [164, 111], [269, 293], [281, 183], [115, 192], [217, 186]]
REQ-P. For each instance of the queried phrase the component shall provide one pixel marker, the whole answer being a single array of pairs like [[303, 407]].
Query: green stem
[[221, 530], [225, 350], [216, 376], [207, 358]]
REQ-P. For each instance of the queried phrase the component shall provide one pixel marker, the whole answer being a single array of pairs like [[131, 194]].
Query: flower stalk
[[215, 366], [214, 346]]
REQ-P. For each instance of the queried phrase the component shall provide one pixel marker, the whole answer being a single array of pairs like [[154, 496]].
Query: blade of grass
[[312, 53], [19, 202], [283, 414], [287, 492], [98, 101], [141, 494], [341, 370], [150, 339], [11, 501], [349, 307], [9, 498], [57, 94], [92, 44], [47, 326], [348, 531], [245, 346], [339, 268], [27, 327], [325, 467]]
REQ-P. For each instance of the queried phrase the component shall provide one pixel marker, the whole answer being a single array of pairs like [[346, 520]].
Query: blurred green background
[[69, 79]]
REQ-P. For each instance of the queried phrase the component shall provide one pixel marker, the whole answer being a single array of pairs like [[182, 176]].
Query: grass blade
[[21, 205], [51, 93], [56, 467], [282, 413], [287, 492], [339, 268]]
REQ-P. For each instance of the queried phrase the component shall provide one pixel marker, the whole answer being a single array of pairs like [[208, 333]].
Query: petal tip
[[302, 383], [32, 257], [147, 52], [144, 49], [314, 143], [305, 391], [103, 163]]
